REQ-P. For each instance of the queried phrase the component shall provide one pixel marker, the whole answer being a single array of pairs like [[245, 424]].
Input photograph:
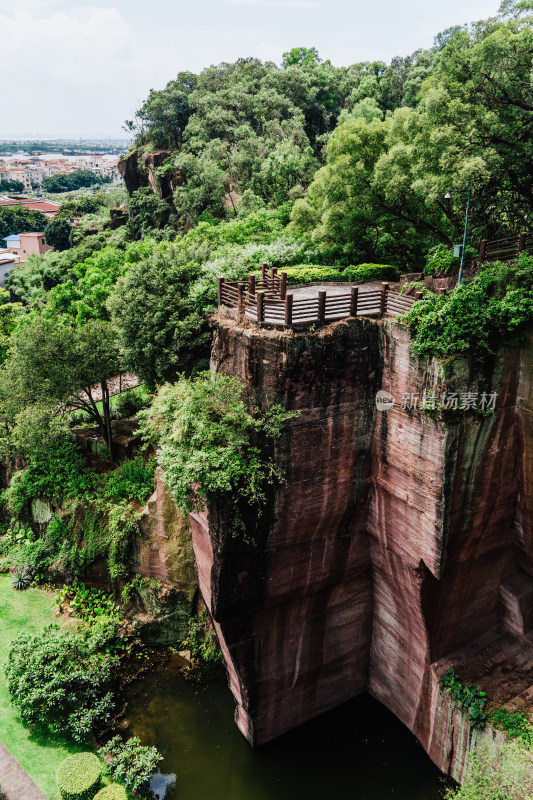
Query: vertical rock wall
[[387, 545], [164, 556]]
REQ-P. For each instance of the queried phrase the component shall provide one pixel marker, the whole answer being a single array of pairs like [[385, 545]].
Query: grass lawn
[[40, 755]]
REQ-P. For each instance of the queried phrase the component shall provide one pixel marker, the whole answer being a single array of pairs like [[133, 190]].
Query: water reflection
[[358, 750]]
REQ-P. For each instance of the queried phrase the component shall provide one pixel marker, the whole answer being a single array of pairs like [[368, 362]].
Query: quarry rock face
[[399, 538], [164, 559], [138, 168], [134, 177]]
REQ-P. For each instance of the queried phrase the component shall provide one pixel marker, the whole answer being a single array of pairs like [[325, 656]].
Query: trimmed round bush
[[112, 792], [78, 776]]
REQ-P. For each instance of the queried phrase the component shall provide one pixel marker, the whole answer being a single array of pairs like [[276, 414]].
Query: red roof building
[[48, 207]]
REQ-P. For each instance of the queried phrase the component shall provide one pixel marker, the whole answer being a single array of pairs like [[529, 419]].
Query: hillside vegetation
[[332, 173]]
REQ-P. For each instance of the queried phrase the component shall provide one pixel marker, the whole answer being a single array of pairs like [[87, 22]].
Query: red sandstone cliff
[[397, 539]]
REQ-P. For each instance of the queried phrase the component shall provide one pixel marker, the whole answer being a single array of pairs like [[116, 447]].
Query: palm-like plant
[[21, 580]]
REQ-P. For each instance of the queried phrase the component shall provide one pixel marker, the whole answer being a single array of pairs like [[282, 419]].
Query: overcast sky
[[77, 70]]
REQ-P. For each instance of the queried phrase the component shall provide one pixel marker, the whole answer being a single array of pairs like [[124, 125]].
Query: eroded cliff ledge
[[398, 539]]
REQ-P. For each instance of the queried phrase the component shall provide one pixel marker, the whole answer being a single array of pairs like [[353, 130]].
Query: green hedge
[[372, 272], [78, 776], [112, 792], [309, 273]]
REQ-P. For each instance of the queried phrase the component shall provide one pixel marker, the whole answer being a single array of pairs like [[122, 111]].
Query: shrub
[[471, 699], [54, 475], [311, 273], [442, 259], [112, 792], [78, 776], [129, 403], [61, 680], [21, 581], [515, 724], [503, 774], [201, 640], [477, 317], [86, 602], [372, 272], [132, 479], [131, 762]]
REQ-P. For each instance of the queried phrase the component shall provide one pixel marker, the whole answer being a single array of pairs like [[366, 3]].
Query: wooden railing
[[506, 249], [266, 301]]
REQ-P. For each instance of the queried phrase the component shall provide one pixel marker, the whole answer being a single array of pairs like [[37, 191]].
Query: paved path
[[306, 292], [15, 782]]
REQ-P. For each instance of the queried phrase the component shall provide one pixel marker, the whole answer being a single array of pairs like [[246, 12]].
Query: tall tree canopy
[[381, 191]]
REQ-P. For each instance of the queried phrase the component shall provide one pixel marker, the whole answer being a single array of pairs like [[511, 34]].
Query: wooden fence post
[[220, 286], [288, 309], [521, 242], [482, 250], [283, 286], [420, 295], [384, 290], [273, 271], [353, 301], [264, 267], [260, 307], [251, 284], [240, 299], [321, 307]]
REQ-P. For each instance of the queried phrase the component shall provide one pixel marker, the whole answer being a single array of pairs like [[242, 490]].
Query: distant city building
[[31, 169], [26, 244], [8, 262]]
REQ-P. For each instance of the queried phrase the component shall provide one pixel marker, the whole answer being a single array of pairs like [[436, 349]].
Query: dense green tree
[[165, 114], [147, 212], [16, 219], [212, 441], [57, 233], [53, 361], [161, 330], [11, 186], [71, 181], [383, 185], [10, 314]]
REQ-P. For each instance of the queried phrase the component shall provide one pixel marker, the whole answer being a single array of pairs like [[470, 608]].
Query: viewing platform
[[267, 301]]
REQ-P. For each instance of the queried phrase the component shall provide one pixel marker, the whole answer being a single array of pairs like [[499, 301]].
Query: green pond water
[[358, 751]]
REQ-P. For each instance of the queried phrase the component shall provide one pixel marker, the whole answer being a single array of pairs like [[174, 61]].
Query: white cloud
[[81, 70], [78, 71]]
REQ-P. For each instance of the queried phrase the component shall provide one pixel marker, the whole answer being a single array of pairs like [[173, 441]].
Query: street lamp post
[[447, 198]]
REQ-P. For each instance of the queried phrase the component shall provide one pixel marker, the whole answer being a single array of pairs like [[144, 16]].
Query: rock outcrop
[[139, 169], [165, 561], [398, 538]]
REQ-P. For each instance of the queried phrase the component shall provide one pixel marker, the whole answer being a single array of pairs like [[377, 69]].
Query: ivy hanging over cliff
[[478, 317], [211, 442]]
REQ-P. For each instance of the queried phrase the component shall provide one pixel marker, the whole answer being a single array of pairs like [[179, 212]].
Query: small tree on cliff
[[210, 440], [55, 362]]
